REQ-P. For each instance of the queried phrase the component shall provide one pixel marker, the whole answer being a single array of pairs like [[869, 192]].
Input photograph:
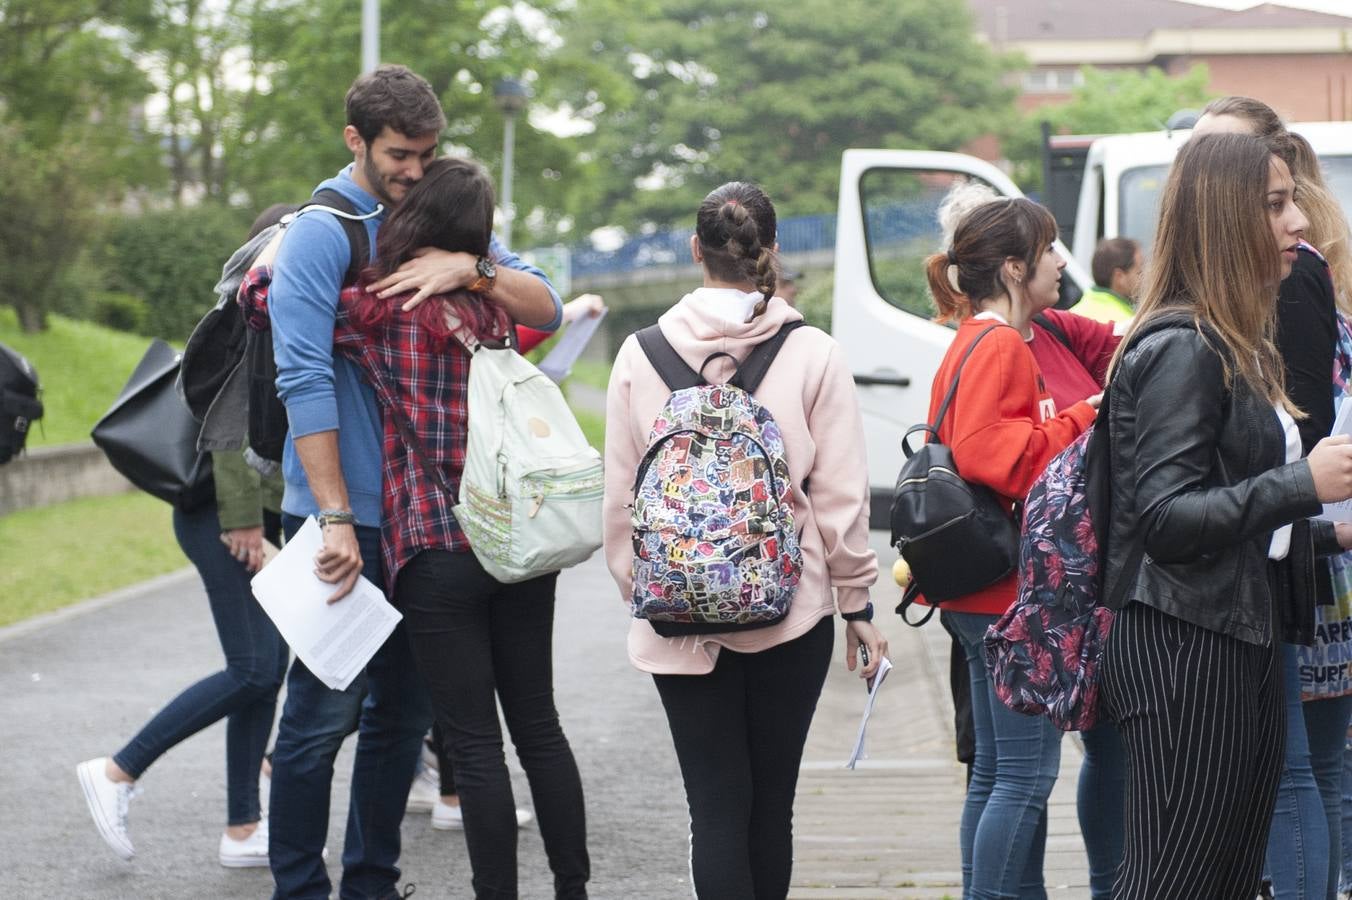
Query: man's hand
[[339, 559], [245, 545], [429, 272], [583, 305]]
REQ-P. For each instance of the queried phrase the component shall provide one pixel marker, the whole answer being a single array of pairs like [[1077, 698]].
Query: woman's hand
[[1331, 465], [872, 639], [245, 545], [1095, 401], [429, 272], [590, 305]]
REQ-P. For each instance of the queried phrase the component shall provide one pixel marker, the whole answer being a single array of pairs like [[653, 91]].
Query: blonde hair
[[1214, 257], [1328, 229]]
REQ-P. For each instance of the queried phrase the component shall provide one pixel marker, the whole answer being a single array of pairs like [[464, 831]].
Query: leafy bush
[[122, 312], [170, 260]]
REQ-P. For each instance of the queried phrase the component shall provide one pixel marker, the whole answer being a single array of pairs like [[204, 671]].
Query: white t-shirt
[[1281, 538]]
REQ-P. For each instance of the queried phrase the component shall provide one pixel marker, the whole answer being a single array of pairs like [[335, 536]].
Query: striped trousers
[[1201, 716]]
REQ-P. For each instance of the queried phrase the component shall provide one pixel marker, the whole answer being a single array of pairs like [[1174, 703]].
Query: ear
[[695, 252], [354, 142], [1013, 271]]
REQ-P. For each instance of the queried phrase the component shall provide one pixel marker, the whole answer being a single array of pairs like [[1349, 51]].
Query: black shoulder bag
[[956, 536]]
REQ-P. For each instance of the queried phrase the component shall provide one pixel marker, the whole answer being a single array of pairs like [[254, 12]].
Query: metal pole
[[508, 145], [370, 34]]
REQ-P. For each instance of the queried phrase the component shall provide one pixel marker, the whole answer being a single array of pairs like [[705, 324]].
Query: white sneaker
[[107, 801], [446, 817], [252, 852], [425, 792]]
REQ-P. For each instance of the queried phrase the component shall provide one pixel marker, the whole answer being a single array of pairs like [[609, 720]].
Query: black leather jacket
[[1199, 475]]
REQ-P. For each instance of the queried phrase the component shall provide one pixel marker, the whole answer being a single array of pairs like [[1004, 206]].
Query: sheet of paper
[[883, 668], [559, 362], [335, 641], [1342, 424]]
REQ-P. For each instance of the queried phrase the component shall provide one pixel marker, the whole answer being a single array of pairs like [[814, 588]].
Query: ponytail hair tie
[[952, 257]]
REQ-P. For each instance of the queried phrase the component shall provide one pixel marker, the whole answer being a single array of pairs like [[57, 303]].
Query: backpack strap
[[354, 226], [953, 388], [674, 371], [752, 370], [1055, 330]]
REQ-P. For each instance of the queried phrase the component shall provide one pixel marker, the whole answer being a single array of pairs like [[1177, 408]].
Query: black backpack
[[226, 357], [956, 536], [19, 403]]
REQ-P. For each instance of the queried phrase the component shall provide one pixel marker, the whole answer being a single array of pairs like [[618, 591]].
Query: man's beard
[[377, 182]]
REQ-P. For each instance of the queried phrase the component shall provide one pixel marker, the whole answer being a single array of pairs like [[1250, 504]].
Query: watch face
[[485, 267]]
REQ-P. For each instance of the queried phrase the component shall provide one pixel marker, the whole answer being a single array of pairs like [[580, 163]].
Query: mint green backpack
[[530, 494]]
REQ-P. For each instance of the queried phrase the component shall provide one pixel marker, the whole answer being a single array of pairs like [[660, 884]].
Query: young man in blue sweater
[[332, 469]]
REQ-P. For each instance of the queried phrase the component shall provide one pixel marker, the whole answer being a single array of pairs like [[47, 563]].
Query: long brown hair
[[985, 237], [1214, 257], [1328, 231]]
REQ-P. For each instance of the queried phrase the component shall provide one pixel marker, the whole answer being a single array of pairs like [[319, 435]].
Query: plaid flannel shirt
[[432, 390]]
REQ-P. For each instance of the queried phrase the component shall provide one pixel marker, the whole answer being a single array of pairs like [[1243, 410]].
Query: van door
[[882, 313]]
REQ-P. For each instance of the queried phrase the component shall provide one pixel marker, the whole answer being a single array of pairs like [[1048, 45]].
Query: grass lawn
[[82, 367], [71, 551]]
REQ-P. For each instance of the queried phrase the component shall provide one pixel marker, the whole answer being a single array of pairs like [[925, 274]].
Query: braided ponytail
[[736, 229]]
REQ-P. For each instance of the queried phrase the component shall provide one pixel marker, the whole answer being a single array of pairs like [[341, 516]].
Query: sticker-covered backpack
[[715, 548], [1044, 654]]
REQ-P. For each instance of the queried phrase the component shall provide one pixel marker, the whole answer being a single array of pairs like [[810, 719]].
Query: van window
[[901, 228], [1139, 203]]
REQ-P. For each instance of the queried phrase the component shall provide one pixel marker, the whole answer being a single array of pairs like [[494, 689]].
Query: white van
[[886, 226]]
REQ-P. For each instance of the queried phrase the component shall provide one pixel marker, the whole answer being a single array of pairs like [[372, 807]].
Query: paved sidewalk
[[79, 684]]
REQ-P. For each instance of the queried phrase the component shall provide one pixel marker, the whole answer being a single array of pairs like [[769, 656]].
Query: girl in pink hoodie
[[739, 703]]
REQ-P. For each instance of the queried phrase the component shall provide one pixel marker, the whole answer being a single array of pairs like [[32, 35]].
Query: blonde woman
[[1207, 477]]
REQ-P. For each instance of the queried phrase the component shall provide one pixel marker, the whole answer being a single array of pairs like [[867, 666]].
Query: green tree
[[1107, 102], [685, 94], [70, 136]]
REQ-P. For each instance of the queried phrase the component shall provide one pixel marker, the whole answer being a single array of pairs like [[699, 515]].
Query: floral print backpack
[[1044, 652], [715, 548]]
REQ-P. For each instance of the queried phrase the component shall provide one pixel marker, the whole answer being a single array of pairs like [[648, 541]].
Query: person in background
[[739, 703], [1117, 271], [225, 541], [787, 289]]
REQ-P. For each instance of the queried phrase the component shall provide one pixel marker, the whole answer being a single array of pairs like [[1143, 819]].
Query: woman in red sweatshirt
[[1003, 428]]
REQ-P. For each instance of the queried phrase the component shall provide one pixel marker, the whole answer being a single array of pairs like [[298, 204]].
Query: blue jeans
[[1101, 803], [1326, 724], [244, 693], [1298, 843], [388, 707], [1017, 759], [1346, 879]]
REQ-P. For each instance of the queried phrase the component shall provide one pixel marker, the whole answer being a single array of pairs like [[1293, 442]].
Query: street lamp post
[[511, 96], [370, 35]]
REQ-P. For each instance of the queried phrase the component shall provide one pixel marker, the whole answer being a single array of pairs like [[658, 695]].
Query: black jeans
[[739, 733], [477, 641]]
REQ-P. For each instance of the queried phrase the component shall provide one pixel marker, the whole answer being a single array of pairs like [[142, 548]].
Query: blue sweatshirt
[[324, 392]]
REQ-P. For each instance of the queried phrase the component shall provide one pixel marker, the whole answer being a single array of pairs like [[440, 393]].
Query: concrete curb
[[79, 608]]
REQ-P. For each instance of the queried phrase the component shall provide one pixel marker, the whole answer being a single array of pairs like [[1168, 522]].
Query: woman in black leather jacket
[[1206, 477]]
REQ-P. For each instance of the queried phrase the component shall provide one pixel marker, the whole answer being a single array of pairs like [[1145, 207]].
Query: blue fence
[[669, 248]]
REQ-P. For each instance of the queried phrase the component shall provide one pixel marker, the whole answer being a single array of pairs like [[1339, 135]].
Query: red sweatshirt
[[1002, 427]]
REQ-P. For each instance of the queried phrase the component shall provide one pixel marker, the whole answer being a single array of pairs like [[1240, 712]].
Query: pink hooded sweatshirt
[[810, 392]]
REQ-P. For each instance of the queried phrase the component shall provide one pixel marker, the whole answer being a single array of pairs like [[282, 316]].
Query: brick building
[[1296, 61]]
